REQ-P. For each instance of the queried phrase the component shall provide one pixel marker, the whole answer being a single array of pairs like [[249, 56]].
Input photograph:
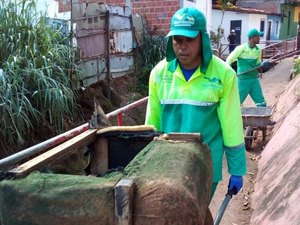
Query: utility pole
[[298, 32]]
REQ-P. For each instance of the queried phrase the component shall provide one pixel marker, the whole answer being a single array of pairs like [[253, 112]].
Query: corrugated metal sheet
[[95, 69], [90, 21]]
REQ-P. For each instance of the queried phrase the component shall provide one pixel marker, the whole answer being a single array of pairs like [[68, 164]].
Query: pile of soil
[[121, 93]]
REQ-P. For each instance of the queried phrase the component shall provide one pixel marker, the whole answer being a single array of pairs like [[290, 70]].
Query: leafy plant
[[38, 68], [216, 36], [153, 51], [296, 68]]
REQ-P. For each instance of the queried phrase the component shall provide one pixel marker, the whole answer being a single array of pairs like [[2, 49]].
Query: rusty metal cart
[[255, 119]]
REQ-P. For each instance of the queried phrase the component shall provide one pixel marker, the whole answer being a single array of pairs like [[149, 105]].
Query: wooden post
[[108, 54], [99, 160], [298, 30], [123, 202]]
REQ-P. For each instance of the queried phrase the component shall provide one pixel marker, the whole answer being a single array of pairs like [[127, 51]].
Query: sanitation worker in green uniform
[[193, 91], [248, 56]]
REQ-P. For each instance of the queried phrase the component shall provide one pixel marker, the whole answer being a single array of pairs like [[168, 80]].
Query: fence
[[26, 153], [270, 49]]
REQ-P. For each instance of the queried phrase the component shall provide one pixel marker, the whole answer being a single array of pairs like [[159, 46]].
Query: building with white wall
[[205, 7], [50, 7], [241, 20]]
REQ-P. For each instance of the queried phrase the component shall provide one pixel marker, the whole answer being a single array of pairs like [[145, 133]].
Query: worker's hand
[[235, 184], [265, 66]]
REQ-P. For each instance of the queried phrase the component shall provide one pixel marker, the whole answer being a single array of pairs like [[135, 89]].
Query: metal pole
[[271, 60], [298, 33], [10, 160], [222, 209], [108, 55]]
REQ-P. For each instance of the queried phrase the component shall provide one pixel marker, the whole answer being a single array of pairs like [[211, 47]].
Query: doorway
[[268, 36], [237, 26]]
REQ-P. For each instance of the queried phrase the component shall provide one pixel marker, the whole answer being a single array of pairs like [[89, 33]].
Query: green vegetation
[[217, 35], [296, 68], [38, 72], [153, 51]]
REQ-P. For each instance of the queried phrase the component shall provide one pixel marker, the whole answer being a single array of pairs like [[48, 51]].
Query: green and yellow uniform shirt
[[247, 58], [206, 103]]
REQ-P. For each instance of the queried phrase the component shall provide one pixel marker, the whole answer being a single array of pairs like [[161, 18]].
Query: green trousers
[[213, 189], [253, 88]]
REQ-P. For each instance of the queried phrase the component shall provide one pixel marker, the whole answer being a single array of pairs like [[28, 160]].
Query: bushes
[[153, 50], [35, 85], [296, 68]]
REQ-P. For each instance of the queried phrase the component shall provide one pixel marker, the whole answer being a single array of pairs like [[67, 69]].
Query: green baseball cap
[[189, 22], [254, 32]]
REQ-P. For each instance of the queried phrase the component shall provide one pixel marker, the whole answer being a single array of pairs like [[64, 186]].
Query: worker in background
[[248, 57], [193, 91], [232, 40]]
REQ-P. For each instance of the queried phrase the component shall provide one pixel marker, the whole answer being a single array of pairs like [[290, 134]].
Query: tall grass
[[38, 68], [152, 51]]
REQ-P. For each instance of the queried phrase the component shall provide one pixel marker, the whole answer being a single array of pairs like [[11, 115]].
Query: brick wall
[[158, 13], [64, 5]]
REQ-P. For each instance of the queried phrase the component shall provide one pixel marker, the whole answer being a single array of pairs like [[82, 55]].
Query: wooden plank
[[184, 136], [99, 160], [124, 202], [58, 152]]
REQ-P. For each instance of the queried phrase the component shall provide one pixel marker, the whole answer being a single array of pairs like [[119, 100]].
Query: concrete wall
[[290, 22], [51, 8], [277, 191], [205, 7], [275, 29]]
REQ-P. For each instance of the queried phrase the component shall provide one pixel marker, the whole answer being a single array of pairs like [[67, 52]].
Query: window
[[276, 27], [262, 26], [289, 23], [282, 16]]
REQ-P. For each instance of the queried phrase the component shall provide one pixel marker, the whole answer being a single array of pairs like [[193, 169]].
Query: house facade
[[242, 20], [289, 10]]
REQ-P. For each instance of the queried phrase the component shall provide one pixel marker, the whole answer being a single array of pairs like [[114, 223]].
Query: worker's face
[[256, 39], [188, 50]]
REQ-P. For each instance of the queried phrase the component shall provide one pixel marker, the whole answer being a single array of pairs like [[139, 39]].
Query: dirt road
[[239, 209]]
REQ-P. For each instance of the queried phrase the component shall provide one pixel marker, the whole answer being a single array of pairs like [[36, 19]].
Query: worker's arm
[[153, 113], [233, 56], [229, 112]]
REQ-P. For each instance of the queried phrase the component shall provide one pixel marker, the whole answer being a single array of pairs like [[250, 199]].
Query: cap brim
[[185, 33], [260, 34]]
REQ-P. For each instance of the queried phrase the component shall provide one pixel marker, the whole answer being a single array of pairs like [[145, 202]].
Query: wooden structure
[[164, 181]]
